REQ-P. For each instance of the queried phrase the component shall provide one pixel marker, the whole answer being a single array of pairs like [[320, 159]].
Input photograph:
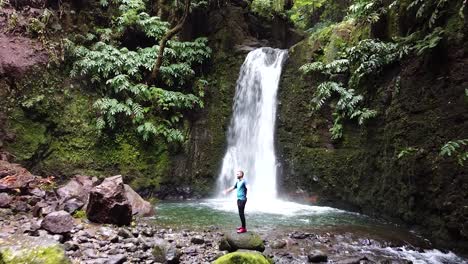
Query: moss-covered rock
[[39, 255], [243, 258], [32, 250], [249, 240]]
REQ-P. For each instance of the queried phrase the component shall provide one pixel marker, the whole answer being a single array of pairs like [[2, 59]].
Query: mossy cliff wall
[[48, 118], [421, 104]]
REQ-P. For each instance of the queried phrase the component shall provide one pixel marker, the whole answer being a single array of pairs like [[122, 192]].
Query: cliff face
[[421, 105]]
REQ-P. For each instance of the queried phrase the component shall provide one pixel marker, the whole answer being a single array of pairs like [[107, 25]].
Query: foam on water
[[276, 207]]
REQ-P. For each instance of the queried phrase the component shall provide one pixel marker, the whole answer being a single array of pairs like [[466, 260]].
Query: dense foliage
[[357, 59], [120, 75]]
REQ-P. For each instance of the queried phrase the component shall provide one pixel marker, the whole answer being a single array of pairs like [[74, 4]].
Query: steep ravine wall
[[421, 104]]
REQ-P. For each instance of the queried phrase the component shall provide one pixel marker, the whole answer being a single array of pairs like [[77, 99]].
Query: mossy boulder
[[38, 255], [243, 258], [32, 250], [249, 240]]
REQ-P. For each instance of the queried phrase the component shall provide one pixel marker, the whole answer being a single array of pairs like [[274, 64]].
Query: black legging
[[241, 207]]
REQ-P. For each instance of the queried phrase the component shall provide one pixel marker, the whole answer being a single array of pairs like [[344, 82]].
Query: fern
[[118, 73], [368, 57], [455, 148]]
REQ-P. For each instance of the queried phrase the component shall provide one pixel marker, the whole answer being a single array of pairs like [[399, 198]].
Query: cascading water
[[251, 131]]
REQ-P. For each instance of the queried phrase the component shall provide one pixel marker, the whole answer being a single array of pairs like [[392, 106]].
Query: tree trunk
[[162, 44]]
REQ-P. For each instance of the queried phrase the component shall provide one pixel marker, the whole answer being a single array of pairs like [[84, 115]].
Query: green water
[[204, 213]]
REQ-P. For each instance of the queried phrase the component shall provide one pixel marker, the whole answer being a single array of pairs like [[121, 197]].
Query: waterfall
[[250, 135]]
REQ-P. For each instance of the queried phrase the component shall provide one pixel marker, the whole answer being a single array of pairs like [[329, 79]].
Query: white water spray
[[251, 131]]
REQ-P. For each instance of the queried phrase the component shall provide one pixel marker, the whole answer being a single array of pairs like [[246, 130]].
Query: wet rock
[[298, 235], [165, 253], [140, 207], [108, 203], [248, 240], [198, 240], [277, 244], [5, 200], [58, 222], [317, 256]]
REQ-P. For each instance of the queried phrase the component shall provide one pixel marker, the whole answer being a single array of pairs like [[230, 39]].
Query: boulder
[[165, 252], [140, 207], [58, 222], [108, 203], [249, 240], [242, 257], [78, 187], [27, 249], [5, 200], [13, 176]]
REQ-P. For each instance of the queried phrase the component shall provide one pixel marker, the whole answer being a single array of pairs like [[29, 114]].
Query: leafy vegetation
[[368, 57], [455, 148], [120, 75]]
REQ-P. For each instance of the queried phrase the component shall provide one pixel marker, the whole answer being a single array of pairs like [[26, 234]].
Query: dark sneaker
[[241, 230]]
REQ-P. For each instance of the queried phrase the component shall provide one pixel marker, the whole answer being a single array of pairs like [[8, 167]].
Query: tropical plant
[[121, 75]]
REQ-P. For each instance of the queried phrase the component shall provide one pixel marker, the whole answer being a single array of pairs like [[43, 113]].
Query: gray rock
[[5, 200], [248, 240], [198, 240], [165, 253], [72, 205], [277, 244], [117, 259], [37, 192], [140, 207], [317, 256], [70, 246], [58, 222], [125, 233]]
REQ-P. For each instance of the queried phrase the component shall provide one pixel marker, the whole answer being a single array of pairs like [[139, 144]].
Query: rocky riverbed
[[88, 220], [145, 242]]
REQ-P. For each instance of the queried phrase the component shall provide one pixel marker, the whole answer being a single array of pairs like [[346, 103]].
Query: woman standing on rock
[[241, 186]]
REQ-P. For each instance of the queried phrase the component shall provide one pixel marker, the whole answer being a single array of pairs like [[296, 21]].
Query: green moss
[[38, 255], [80, 214], [29, 136], [243, 258]]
